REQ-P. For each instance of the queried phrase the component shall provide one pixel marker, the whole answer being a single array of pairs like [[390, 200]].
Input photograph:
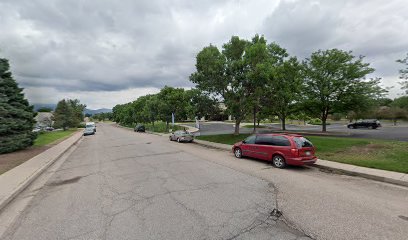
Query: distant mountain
[[53, 106], [96, 111], [44, 105]]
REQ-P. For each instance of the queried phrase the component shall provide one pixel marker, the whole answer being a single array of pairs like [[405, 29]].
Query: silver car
[[181, 136], [89, 131]]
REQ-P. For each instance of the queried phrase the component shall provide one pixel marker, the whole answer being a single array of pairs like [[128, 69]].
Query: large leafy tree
[[257, 62], [201, 104], [172, 101], [404, 74], [151, 109], [64, 115], [226, 74], [16, 115], [68, 113], [77, 111], [401, 102], [282, 91], [334, 80]]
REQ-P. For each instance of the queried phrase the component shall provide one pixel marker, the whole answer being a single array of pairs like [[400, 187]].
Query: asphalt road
[[124, 185], [387, 132]]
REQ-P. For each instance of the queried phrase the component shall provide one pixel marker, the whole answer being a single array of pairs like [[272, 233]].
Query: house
[[44, 119]]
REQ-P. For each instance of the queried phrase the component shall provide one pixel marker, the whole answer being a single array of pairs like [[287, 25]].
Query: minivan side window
[[250, 139], [280, 141], [272, 140], [264, 140]]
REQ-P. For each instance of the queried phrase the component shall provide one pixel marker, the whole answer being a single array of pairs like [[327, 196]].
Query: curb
[[347, 169], [14, 186], [351, 170]]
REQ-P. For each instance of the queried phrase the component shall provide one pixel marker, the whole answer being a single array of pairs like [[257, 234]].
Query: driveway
[[124, 185]]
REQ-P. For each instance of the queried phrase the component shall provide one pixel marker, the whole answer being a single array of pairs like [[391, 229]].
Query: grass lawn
[[379, 154], [46, 138]]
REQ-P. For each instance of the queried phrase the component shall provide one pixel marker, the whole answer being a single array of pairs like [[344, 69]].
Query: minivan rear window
[[302, 142]]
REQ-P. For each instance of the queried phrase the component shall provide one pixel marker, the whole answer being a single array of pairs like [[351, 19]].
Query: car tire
[[178, 140], [238, 152], [278, 161], [170, 138]]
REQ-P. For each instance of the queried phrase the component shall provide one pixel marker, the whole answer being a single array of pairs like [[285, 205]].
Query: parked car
[[281, 149], [49, 129], [140, 128], [91, 125], [369, 123], [89, 131], [181, 136], [37, 129]]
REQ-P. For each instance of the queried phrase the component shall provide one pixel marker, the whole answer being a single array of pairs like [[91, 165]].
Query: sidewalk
[[17, 179], [370, 173]]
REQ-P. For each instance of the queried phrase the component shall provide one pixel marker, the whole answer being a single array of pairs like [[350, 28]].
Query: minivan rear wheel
[[238, 152], [278, 161]]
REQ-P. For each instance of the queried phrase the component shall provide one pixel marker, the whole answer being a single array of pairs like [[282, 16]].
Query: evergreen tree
[[16, 115], [64, 115]]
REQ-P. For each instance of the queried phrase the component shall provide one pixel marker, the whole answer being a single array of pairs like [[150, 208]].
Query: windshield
[[302, 142]]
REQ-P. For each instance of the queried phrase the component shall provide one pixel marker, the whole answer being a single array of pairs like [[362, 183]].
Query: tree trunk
[[254, 131], [259, 121], [283, 122], [167, 126], [325, 113], [324, 124], [237, 122]]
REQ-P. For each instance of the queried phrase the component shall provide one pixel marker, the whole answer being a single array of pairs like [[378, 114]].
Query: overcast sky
[[106, 52]]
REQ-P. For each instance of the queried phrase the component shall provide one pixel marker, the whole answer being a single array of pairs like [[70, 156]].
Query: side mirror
[[243, 141]]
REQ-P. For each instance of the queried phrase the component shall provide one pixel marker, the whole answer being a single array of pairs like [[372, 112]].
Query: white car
[[91, 125]]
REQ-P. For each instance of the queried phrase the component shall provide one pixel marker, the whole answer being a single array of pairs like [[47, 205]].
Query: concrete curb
[[369, 173], [17, 179]]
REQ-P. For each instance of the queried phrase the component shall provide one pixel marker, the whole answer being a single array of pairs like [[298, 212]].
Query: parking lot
[[387, 131]]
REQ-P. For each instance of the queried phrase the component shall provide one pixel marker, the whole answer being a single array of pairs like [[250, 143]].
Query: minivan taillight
[[295, 152]]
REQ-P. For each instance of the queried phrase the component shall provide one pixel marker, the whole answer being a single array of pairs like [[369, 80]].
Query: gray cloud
[[106, 46], [372, 28]]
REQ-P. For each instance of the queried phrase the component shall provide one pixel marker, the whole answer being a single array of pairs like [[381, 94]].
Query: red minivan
[[281, 149]]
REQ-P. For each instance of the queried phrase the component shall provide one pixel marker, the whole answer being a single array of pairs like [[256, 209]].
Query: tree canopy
[[404, 74], [68, 114], [16, 115], [334, 80]]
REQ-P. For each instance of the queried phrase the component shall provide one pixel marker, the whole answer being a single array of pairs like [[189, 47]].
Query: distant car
[[369, 123], [49, 129], [91, 125], [140, 128], [181, 136], [281, 149], [37, 129], [89, 131]]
